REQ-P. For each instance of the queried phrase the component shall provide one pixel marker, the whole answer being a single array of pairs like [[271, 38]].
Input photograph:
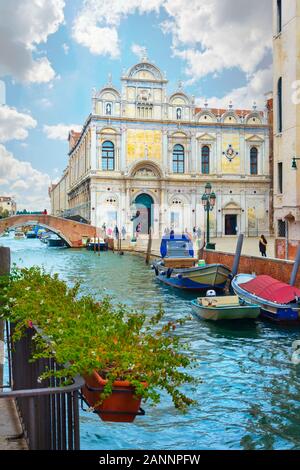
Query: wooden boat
[[19, 235], [96, 243], [55, 241], [277, 300], [224, 308], [178, 266], [30, 234]]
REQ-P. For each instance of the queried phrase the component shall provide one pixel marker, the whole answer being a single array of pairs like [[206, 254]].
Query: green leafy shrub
[[85, 335]]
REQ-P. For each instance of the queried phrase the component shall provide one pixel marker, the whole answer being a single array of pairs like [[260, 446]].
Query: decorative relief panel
[[230, 154], [143, 144]]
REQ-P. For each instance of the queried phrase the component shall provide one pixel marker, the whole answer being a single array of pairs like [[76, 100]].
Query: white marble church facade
[[144, 151]]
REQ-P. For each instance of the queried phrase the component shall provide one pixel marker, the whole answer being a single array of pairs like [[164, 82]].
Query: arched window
[[178, 159], [279, 16], [108, 155], [279, 104], [205, 160], [253, 161]]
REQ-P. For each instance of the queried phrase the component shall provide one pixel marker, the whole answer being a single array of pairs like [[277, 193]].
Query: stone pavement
[[10, 427], [226, 244]]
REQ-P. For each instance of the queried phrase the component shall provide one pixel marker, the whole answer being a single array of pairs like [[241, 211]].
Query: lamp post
[[208, 202]]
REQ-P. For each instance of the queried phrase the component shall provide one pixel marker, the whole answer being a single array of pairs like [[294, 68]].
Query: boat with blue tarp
[[178, 266]]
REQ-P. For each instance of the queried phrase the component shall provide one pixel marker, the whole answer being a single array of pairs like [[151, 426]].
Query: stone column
[[243, 159], [194, 155], [219, 153], [123, 149], [94, 165]]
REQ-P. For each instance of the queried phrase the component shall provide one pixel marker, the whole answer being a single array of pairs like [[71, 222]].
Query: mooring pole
[[148, 254], [295, 268], [4, 270], [237, 256]]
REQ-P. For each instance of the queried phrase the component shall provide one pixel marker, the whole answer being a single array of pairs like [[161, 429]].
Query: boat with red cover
[[277, 300]]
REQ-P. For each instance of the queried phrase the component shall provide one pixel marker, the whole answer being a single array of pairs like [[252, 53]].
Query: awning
[[271, 289]]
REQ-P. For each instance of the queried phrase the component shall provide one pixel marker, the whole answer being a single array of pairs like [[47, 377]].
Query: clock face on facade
[[230, 153]]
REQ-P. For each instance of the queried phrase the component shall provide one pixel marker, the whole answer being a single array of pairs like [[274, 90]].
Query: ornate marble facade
[[143, 151]]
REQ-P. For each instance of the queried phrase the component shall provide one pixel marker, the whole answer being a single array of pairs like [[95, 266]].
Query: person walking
[[116, 232], [138, 229], [123, 232], [263, 246]]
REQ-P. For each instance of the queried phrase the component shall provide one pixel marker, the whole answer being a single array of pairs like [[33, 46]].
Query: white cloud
[[66, 48], [244, 97], [209, 35], [28, 185], [95, 27], [60, 131], [23, 26], [213, 35], [45, 103], [14, 125], [138, 50]]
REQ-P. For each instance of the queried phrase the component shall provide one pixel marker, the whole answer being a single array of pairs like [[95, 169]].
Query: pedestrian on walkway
[[123, 232], [263, 246], [116, 232]]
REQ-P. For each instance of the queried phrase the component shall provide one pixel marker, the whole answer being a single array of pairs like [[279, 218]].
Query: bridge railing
[[48, 411]]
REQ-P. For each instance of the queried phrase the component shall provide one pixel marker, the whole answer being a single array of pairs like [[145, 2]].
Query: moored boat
[[179, 268], [224, 308], [19, 235], [30, 234], [55, 241], [277, 300], [96, 244]]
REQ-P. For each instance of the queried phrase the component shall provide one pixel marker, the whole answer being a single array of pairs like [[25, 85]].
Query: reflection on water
[[250, 391]]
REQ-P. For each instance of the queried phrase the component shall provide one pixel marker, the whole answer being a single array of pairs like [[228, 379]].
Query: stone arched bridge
[[72, 232]]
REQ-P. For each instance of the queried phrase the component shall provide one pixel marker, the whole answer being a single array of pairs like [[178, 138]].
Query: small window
[[108, 156], [279, 105], [108, 109], [279, 16], [178, 159], [178, 113], [205, 160], [281, 232], [253, 161], [280, 178]]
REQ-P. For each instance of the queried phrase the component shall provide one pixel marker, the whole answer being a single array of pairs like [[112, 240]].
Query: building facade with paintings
[[286, 45], [144, 157]]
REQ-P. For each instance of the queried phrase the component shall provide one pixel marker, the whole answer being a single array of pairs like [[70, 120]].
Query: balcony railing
[[48, 411]]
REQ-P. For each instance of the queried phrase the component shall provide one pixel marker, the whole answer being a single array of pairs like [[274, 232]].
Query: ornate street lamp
[[208, 202]]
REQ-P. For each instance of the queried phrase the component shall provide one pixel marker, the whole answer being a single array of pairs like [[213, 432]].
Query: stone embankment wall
[[277, 268]]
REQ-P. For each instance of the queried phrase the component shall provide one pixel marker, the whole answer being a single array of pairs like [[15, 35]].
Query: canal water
[[249, 397]]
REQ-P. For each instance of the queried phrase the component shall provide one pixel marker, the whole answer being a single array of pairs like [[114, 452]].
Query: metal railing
[[48, 411]]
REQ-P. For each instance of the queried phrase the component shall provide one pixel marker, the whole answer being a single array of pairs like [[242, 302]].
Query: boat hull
[[53, 242], [231, 312], [95, 246], [270, 310], [211, 276]]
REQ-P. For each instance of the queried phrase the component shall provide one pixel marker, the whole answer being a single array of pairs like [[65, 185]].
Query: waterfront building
[[145, 156], [8, 204], [286, 45]]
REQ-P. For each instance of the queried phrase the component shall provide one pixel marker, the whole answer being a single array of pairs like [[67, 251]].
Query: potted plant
[[113, 347]]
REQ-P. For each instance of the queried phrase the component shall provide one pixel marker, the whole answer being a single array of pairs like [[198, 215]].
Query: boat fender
[[162, 273], [179, 276], [169, 272]]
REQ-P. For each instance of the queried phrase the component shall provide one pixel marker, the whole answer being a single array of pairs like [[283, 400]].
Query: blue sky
[[55, 51]]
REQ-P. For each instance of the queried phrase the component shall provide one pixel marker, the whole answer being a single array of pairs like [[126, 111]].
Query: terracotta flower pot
[[120, 406]]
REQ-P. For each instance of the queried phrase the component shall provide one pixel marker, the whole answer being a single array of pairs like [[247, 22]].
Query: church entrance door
[[230, 224], [144, 205]]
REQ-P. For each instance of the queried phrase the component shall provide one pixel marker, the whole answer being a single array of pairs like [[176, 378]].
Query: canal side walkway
[[10, 428], [226, 245]]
